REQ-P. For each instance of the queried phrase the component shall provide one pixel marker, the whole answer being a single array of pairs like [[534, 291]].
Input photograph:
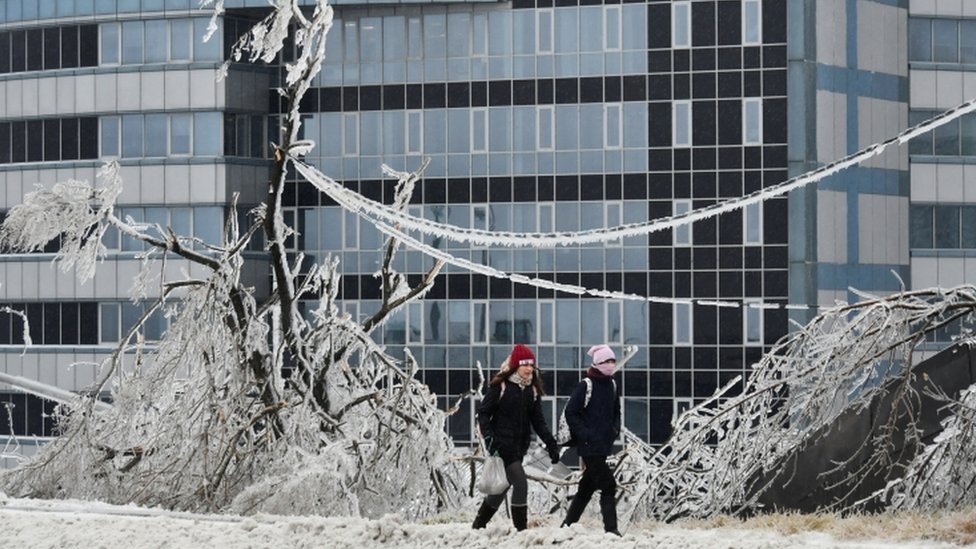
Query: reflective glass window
[[180, 39], [945, 41], [751, 22], [922, 231], [132, 137], [156, 41], [919, 39], [207, 128], [110, 136], [132, 42], [109, 43], [681, 24], [179, 133], [156, 138], [209, 50], [947, 227]]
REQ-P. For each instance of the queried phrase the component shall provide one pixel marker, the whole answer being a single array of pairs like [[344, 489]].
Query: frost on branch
[[247, 403], [74, 211], [722, 450]]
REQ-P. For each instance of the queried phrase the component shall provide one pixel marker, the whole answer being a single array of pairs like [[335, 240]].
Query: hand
[[554, 454]]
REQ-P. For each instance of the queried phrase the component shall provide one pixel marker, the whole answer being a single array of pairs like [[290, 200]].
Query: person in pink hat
[[511, 407], [595, 426]]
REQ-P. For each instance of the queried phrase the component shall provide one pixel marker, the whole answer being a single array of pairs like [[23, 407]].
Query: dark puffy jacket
[[504, 419], [595, 426]]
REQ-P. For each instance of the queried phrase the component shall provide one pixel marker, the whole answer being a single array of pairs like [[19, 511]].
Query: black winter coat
[[595, 426], [504, 420]]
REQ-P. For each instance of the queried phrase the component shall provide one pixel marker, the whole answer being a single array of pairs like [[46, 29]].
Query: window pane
[[132, 136], [179, 136], [52, 48], [69, 47], [967, 41], [751, 22], [156, 39], [945, 44], [110, 43], [209, 50], [968, 227], [752, 121], [52, 140], [109, 320], [967, 126], [922, 144], [682, 124], [207, 224], [681, 24], [947, 139], [156, 135], [947, 227], [180, 37], [206, 133], [919, 39], [132, 42], [110, 136]]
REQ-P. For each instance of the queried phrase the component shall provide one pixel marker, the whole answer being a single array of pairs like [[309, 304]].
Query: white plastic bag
[[493, 480]]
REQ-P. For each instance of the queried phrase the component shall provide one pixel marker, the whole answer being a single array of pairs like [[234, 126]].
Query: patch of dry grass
[[956, 527]]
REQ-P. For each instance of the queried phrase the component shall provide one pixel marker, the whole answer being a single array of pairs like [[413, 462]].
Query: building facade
[[536, 115]]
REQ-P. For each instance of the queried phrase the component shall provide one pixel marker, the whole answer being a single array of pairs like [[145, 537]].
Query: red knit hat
[[520, 355]]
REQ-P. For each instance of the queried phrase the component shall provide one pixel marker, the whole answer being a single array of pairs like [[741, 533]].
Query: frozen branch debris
[[246, 403], [723, 448]]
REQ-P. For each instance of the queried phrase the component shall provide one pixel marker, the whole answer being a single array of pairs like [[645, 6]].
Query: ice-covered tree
[[245, 403]]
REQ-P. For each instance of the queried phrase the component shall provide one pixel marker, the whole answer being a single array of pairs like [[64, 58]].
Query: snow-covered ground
[[63, 524]]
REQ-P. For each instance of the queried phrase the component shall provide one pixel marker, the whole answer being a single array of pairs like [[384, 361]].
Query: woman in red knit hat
[[511, 405]]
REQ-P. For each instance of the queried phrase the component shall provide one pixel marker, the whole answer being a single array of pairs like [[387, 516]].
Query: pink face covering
[[600, 354]]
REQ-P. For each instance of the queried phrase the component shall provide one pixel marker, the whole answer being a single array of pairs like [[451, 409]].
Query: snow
[[72, 523]]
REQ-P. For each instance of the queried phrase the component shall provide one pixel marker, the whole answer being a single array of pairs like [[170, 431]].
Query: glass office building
[[536, 115]]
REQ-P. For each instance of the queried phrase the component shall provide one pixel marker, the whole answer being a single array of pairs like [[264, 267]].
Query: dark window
[[69, 139], [257, 136], [370, 98], [88, 137], [5, 328], [88, 313], [52, 48], [52, 324], [947, 227], [394, 97], [4, 52], [500, 93], [35, 49], [35, 141], [4, 142], [69, 324], [52, 140], [18, 51], [69, 47], [230, 135], [435, 96], [88, 39], [18, 141], [729, 23]]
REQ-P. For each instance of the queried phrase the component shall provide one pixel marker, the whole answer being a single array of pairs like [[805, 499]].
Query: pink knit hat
[[601, 354]]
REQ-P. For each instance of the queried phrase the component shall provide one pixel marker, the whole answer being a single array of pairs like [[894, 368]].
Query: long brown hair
[[505, 370]]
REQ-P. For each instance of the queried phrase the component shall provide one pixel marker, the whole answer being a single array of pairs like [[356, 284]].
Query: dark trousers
[[596, 476]]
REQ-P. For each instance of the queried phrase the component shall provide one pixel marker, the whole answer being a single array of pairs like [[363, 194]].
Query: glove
[[553, 453]]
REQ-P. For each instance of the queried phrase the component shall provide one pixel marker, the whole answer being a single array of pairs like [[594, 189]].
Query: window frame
[[678, 341], [747, 103], [748, 306], [681, 235], [759, 36], [752, 213], [685, 123], [685, 7]]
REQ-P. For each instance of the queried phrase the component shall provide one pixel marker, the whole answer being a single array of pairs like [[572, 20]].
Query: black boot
[[576, 508], [520, 516], [608, 508], [485, 512]]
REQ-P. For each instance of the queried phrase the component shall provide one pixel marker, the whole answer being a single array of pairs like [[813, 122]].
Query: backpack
[[563, 436]]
